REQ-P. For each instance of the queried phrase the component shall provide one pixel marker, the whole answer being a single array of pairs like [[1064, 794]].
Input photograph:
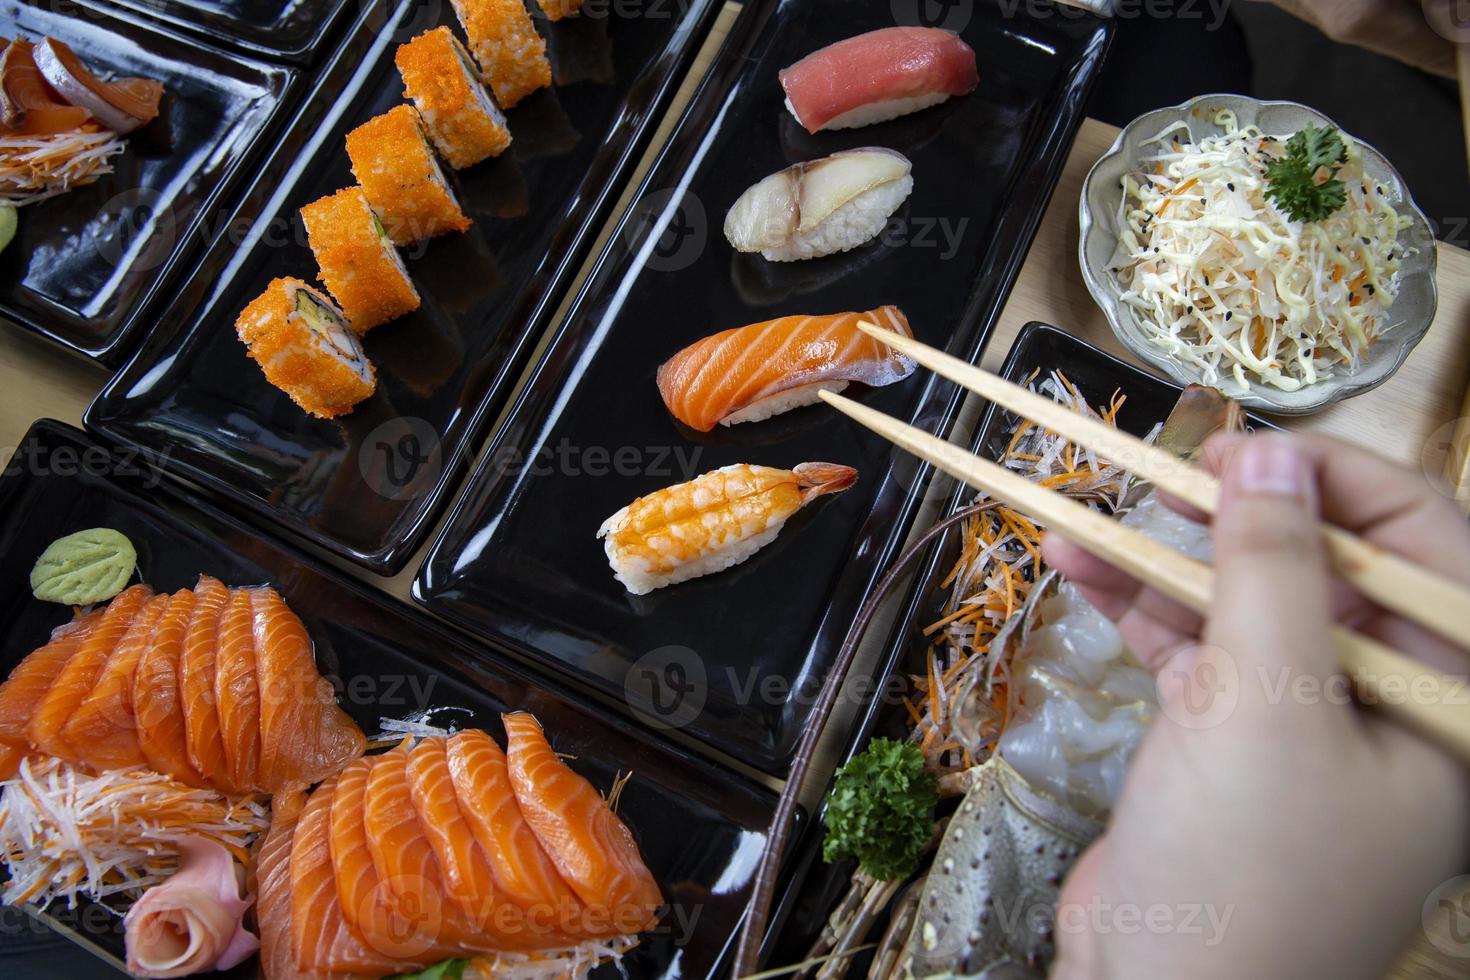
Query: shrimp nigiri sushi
[[878, 76], [822, 206], [752, 373], [712, 522]]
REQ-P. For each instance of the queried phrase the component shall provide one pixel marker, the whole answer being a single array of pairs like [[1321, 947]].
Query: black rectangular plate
[[815, 887], [699, 828], [296, 31], [88, 268], [368, 486], [519, 561]]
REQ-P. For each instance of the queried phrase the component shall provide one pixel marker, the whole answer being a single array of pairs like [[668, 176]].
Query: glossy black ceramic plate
[[298, 31], [368, 486], [736, 658], [699, 828], [815, 887], [90, 268]]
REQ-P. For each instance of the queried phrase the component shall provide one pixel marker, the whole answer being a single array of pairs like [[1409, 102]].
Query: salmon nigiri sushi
[[752, 373], [878, 76], [712, 522]]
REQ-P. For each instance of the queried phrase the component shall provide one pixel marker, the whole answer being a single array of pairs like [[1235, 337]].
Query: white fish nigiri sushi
[[712, 522], [822, 206], [878, 76]]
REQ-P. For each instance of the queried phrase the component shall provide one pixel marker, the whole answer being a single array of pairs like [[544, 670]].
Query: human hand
[[1410, 31], [1308, 829]]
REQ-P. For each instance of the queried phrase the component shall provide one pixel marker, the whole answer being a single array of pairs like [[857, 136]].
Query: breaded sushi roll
[[302, 343], [398, 171], [557, 9], [512, 56], [357, 260], [460, 116]]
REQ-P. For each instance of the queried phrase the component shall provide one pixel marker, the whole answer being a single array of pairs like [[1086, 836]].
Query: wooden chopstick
[[1366, 661], [1409, 590]]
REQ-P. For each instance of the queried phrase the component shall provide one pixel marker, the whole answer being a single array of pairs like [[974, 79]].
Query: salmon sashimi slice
[[751, 373], [236, 693], [27, 685], [122, 105], [320, 934], [304, 735], [272, 887], [104, 730], [79, 675], [156, 699], [593, 849], [408, 868], [196, 684], [468, 874], [524, 872], [29, 106], [366, 903]]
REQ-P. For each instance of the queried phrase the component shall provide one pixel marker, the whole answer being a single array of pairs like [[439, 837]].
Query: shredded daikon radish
[[33, 168], [574, 962], [1221, 279], [65, 834]]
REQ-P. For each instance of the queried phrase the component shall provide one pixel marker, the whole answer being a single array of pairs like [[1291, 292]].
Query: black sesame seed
[[1227, 314], [1189, 309], [1230, 187], [1365, 239], [1370, 289]]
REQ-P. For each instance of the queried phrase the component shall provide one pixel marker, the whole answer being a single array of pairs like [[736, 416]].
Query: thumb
[[1271, 608]]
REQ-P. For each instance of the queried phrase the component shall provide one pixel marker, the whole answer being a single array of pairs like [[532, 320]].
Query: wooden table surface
[[1409, 419]]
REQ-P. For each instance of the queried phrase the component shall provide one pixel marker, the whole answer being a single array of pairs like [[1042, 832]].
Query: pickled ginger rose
[[192, 922]]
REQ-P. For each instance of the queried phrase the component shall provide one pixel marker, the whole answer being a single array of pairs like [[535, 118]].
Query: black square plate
[[297, 31], [368, 486], [815, 887], [89, 267], [699, 828], [519, 560]]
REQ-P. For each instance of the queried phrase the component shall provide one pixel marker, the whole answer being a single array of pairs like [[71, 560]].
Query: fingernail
[[1272, 465]]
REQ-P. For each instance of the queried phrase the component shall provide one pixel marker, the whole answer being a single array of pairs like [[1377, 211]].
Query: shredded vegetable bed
[[66, 835], [33, 168], [1221, 279], [999, 560]]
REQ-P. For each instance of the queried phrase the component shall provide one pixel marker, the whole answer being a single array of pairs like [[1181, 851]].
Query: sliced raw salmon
[[28, 684], [304, 735], [156, 700], [272, 876], [104, 731], [236, 693], [320, 934], [196, 683], [592, 848], [367, 906], [29, 106], [408, 868], [523, 870], [76, 679], [468, 874]]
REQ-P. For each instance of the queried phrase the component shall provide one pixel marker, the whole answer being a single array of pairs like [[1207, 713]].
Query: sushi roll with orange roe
[[302, 343], [511, 54], [557, 9], [398, 171], [460, 116], [357, 260]]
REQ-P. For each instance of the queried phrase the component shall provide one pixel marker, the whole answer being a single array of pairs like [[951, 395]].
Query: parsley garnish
[[881, 809], [1293, 181]]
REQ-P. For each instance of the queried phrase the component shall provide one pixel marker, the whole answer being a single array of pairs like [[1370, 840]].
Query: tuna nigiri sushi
[[751, 373], [712, 522], [822, 206], [878, 76]]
